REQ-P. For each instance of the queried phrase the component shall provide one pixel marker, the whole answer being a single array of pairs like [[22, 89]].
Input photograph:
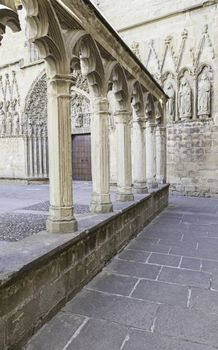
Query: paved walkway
[[160, 293]]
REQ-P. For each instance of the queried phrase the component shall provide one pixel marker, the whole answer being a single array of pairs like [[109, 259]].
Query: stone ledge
[[42, 272]]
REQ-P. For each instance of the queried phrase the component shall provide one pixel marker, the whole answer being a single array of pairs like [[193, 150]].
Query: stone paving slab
[[139, 340], [159, 293]]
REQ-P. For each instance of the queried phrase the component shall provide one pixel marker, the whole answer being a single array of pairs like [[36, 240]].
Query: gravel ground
[[44, 206], [15, 227]]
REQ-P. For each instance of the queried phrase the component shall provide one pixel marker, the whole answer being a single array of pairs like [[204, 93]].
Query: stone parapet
[[32, 290]]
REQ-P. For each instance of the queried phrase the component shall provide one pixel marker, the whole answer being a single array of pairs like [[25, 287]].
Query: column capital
[[122, 117], [140, 122], [100, 105]]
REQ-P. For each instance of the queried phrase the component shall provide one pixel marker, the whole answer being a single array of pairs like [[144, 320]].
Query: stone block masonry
[[32, 294], [192, 156]]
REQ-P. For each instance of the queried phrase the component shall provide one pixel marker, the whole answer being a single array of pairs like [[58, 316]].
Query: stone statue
[[170, 105], [204, 96], [2, 118], [185, 97]]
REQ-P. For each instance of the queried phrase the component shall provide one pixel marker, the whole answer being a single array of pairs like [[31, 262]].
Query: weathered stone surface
[[192, 264], [204, 300], [49, 336], [164, 259], [111, 283], [146, 341], [185, 277], [134, 269], [99, 335], [161, 292], [134, 313], [187, 324], [134, 255]]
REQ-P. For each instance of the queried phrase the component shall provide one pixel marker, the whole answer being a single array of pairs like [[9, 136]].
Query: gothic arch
[[45, 32], [85, 55], [116, 78], [149, 107], [137, 100], [8, 17], [35, 109]]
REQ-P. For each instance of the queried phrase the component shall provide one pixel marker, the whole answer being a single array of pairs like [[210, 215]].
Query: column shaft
[[139, 155], [161, 154], [100, 202], [61, 217], [151, 155], [124, 164]]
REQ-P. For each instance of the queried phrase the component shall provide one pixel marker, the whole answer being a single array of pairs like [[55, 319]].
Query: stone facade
[[177, 43]]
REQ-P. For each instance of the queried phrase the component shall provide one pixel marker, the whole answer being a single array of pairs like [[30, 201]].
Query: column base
[[101, 204], [161, 182], [61, 220], [125, 197], [61, 226], [140, 187], [152, 185]]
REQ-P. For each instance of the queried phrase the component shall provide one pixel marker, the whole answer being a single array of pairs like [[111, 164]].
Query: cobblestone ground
[[160, 293]]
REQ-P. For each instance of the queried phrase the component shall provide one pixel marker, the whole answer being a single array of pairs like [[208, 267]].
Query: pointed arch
[[116, 77], [138, 100], [45, 31], [84, 55], [149, 106], [8, 17]]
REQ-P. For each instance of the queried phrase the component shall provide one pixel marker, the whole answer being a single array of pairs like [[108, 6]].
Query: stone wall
[[177, 42], [33, 293], [193, 158], [13, 163]]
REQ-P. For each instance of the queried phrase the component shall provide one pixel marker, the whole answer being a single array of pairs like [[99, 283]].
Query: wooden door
[[81, 154]]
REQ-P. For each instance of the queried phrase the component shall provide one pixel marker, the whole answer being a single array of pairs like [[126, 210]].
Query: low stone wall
[[32, 295], [192, 158]]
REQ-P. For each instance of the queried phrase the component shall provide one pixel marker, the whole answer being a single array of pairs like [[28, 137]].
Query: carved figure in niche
[[185, 97], [15, 117], [79, 113], [2, 118], [170, 105], [204, 96]]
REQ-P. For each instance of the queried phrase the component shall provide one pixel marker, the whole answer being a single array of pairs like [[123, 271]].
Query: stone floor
[[160, 293]]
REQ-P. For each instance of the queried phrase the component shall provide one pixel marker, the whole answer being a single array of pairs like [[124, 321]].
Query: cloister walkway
[[161, 292]]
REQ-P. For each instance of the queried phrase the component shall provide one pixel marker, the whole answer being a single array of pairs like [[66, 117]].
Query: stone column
[[100, 202], [139, 155], [151, 154], [160, 154], [61, 217], [124, 165]]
